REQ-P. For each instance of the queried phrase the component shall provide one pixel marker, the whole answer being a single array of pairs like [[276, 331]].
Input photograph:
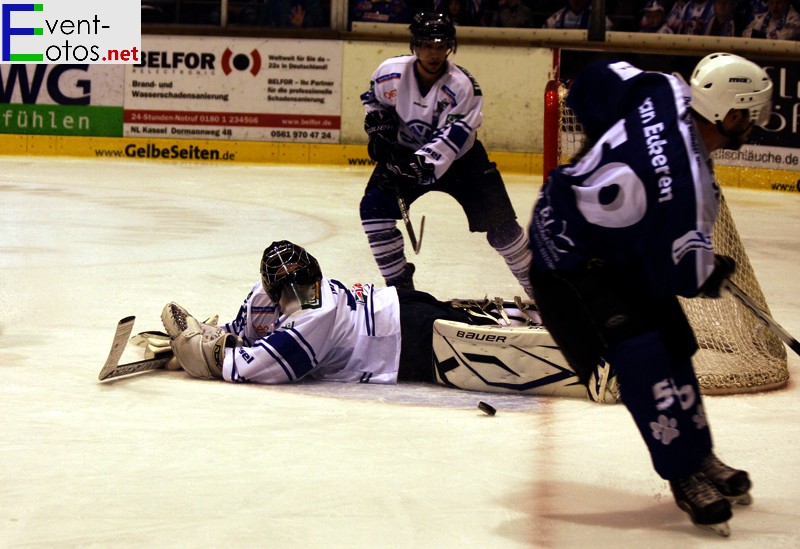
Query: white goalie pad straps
[[509, 359]]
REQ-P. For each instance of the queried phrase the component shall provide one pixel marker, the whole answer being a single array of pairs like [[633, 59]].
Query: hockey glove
[[417, 171], [724, 267], [159, 344], [388, 179], [201, 353], [381, 127]]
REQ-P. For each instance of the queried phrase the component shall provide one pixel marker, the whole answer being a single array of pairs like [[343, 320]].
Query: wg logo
[[29, 82]]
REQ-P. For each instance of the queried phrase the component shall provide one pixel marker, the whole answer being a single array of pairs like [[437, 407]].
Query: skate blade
[[721, 528], [744, 499]]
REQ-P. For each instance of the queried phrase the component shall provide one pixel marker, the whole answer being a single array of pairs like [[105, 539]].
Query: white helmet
[[723, 81]]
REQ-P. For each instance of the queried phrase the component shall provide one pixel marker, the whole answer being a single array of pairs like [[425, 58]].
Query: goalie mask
[[287, 266], [723, 81], [432, 27]]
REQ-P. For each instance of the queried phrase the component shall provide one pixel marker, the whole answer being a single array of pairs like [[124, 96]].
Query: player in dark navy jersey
[[622, 231]]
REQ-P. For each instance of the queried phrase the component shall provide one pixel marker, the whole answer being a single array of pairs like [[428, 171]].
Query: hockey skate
[[706, 506], [405, 280], [732, 483]]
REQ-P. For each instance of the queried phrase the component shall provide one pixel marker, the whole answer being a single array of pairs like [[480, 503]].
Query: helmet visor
[[759, 104], [447, 44], [760, 116]]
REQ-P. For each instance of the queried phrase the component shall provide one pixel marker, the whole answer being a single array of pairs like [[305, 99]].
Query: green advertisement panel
[[61, 120], [64, 100]]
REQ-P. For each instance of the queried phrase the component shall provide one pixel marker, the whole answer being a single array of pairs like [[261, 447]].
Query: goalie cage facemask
[[432, 27], [285, 264]]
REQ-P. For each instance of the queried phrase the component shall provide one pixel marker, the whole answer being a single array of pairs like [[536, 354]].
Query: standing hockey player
[[619, 233], [422, 117]]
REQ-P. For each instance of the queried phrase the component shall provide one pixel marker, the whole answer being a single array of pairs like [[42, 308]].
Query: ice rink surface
[[162, 460]]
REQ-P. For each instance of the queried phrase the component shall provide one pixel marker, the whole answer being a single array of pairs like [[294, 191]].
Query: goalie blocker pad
[[513, 360]]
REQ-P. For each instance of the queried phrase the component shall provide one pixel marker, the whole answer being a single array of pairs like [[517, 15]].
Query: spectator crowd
[[769, 19]]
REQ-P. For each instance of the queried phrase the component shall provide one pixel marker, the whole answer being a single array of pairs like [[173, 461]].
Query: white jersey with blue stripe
[[352, 336], [440, 124]]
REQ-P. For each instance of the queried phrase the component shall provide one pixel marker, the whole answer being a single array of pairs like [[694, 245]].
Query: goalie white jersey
[[352, 336], [441, 124]]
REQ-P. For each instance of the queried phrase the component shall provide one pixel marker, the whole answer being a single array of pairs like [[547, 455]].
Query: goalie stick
[[146, 365], [763, 315], [112, 368], [416, 244]]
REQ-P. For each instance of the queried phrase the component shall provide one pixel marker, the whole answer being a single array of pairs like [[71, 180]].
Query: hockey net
[[738, 353]]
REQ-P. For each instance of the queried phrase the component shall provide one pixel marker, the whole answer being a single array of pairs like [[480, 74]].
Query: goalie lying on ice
[[297, 324]]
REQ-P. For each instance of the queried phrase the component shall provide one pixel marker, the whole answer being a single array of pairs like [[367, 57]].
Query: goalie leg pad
[[589, 310], [517, 360], [603, 385], [500, 312]]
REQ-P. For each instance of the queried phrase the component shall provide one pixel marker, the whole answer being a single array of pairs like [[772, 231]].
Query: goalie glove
[[195, 344], [381, 127], [417, 171], [202, 353], [158, 344], [724, 267], [174, 319]]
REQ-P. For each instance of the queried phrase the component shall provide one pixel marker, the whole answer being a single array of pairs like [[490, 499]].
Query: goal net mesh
[[738, 353]]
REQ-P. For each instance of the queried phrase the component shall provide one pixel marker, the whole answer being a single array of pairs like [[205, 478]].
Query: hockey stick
[[146, 365], [762, 315], [112, 368], [416, 244], [123, 332], [396, 157]]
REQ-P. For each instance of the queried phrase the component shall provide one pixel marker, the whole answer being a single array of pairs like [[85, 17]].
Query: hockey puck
[[486, 408]]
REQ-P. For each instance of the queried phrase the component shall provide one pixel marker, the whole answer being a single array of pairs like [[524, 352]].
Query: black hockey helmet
[[285, 263], [434, 27]]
